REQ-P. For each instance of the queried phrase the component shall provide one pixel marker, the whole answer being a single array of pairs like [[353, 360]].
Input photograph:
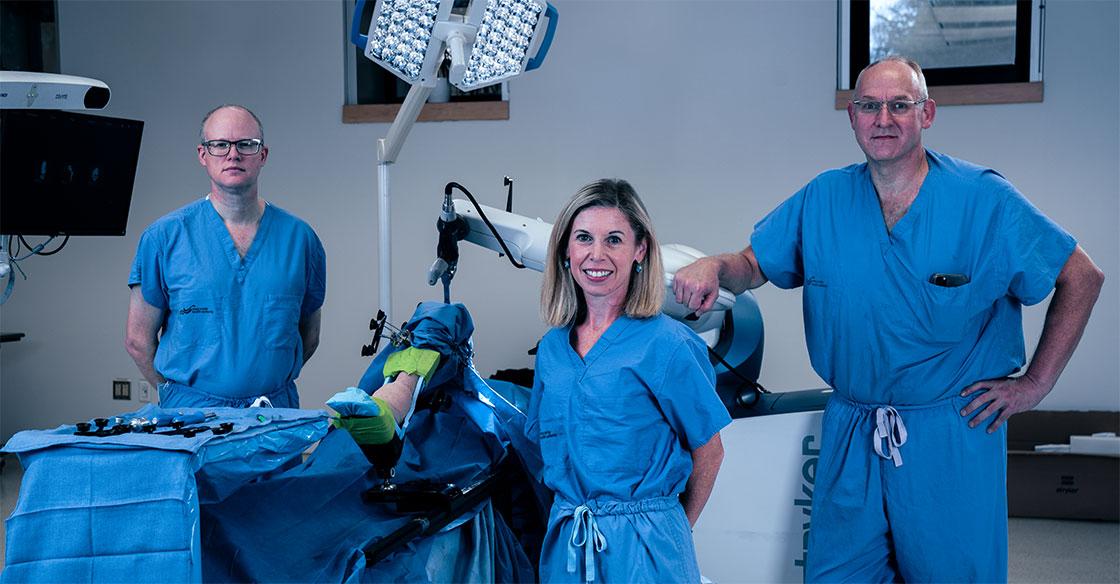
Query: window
[[972, 51], [30, 36]]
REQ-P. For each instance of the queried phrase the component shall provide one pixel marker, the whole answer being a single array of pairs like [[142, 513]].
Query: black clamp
[[104, 429], [397, 336], [192, 431]]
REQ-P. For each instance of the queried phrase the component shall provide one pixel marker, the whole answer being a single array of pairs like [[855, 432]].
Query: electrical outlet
[[122, 389], [144, 389]]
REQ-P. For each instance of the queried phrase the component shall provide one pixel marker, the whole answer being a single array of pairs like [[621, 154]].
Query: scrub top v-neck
[[877, 328], [232, 325]]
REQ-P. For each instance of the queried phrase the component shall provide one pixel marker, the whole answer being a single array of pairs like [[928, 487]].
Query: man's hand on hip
[[1005, 397]]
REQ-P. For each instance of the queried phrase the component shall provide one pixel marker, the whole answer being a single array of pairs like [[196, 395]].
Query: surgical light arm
[[488, 41]]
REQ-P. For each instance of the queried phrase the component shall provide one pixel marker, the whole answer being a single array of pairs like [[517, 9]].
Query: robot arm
[[732, 329], [527, 240]]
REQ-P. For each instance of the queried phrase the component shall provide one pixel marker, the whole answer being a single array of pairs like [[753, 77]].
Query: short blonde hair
[[209, 114], [562, 302]]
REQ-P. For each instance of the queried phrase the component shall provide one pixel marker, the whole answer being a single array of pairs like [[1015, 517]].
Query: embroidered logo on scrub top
[[812, 281], [195, 309]]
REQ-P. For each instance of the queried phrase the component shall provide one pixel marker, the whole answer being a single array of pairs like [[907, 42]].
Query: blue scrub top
[[877, 330], [232, 323], [620, 423]]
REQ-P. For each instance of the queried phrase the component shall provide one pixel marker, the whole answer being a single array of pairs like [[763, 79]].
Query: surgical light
[[505, 33], [486, 42], [400, 37]]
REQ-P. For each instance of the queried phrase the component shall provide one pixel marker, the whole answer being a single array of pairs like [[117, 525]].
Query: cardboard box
[[1061, 485], [1104, 444]]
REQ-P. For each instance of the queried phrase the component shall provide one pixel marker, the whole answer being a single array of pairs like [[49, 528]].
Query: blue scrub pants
[[647, 540], [941, 516], [177, 395]]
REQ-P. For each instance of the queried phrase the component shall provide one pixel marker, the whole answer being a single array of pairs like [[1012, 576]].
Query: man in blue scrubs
[[914, 267], [226, 291]]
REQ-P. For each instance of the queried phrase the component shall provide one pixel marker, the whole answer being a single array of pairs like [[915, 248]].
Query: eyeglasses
[[897, 107], [221, 147]]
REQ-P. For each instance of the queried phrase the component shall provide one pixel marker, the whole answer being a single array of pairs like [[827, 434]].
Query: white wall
[[716, 111]]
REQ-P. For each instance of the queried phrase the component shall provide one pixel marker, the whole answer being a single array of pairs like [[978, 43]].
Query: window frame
[[1020, 82]]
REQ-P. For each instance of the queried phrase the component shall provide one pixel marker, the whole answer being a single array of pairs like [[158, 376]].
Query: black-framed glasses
[[221, 147], [897, 107]]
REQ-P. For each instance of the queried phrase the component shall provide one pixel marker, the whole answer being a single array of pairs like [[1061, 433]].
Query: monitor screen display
[[64, 173]]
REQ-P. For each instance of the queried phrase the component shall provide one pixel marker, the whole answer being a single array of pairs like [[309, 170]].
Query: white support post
[[384, 247], [387, 150]]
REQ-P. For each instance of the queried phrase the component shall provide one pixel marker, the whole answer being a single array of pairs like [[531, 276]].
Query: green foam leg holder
[[419, 362]]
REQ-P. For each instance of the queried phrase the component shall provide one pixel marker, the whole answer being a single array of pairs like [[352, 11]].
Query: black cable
[[55, 250], [44, 253], [501, 242], [754, 384]]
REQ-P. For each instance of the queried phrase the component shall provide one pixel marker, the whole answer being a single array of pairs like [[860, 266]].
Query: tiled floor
[[1051, 550]]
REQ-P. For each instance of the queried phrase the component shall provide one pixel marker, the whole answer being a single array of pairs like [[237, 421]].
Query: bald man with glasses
[[914, 267], [226, 291]]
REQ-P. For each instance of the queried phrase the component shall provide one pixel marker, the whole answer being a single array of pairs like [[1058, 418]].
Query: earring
[[567, 264], [637, 268]]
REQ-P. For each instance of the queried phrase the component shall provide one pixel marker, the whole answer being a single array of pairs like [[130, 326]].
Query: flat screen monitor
[[64, 173]]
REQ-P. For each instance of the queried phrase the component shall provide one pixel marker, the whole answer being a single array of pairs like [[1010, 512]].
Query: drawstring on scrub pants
[[585, 534], [889, 428], [585, 529]]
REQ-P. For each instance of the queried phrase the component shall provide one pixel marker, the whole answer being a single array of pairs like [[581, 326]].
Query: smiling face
[[234, 172], [882, 136], [602, 249]]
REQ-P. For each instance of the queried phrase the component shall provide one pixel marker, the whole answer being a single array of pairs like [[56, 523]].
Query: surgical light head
[[400, 38], [487, 42], [505, 34]]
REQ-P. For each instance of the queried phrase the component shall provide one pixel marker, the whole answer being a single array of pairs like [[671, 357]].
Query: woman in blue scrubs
[[624, 407]]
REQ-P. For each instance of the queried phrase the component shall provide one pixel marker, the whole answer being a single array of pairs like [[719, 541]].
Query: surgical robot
[[763, 496], [771, 447], [732, 330]]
